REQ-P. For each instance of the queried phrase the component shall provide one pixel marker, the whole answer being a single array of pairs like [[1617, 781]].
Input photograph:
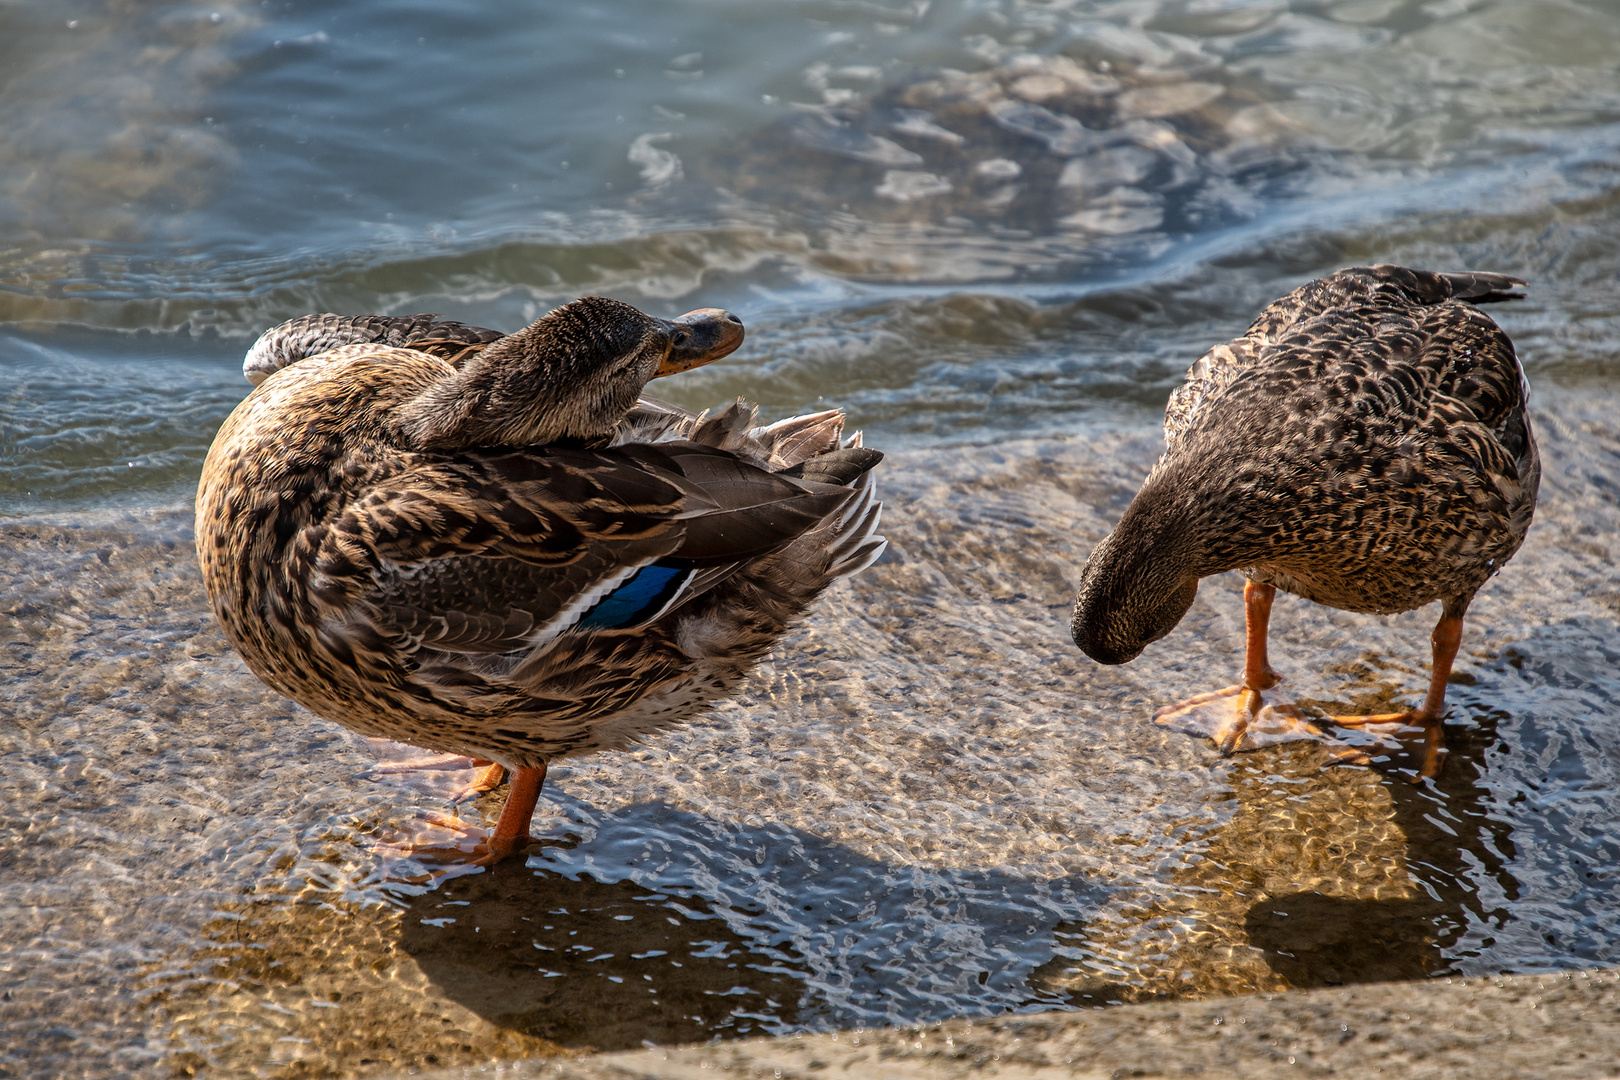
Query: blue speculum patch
[[637, 599]]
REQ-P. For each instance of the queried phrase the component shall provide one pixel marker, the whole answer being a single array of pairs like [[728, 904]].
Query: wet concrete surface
[[1550, 1026], [927, 805]]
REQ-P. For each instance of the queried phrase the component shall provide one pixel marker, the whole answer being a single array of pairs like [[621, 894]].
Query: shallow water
[[929, 802]]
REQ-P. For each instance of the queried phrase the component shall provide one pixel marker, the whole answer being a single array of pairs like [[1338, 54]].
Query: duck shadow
[[665, 926], [668, 927], [1457, 853], [590, 964], [1528, 725]]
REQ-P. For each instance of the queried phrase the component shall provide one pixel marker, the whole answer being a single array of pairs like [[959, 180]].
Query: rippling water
[[996, 233]]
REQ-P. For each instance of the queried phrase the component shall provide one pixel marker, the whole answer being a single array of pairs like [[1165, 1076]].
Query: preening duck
[[488, 544], [1365, 445]]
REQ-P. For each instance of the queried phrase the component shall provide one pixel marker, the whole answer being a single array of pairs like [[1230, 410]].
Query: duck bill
[[701, 337]]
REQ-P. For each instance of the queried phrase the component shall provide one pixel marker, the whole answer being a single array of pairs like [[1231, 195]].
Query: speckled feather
[[432, 596], [1364, 445], [310, 335]]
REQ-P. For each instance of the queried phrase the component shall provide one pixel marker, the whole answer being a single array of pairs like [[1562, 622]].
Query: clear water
[[929, 803]]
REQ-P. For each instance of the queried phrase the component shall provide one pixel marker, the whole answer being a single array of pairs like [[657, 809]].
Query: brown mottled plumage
[[1365, 445], [310, 335], [499, 551]]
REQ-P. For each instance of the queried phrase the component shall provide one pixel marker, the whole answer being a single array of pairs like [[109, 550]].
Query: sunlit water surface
[[996, 233]]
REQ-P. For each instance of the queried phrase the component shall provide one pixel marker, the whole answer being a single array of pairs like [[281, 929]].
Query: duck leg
[[1446, 639], [511, 833], [1228, 724], [490, 776]]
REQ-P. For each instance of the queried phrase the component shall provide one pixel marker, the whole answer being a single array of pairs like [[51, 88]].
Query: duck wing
[[498, 553], [1338, 313]]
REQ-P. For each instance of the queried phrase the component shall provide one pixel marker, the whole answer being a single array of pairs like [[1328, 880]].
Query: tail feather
[[781, 446], [798, 438], [864, 556], [835, 467], [812, 449], [729, 429], [858, 544], [653, 420], [1481, 288]]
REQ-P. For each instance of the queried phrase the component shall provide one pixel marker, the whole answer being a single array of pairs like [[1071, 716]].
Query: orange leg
[[489, 778], [1257, 670], [1258, 675], [511, 833], [1431, 717]]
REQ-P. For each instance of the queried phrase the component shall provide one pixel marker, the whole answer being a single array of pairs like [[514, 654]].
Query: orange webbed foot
[[498, 849], [1238, 718], [466, 848], [510, 837], [1393, 724], [447, 846]]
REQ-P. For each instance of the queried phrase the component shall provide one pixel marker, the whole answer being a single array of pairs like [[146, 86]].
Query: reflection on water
[[1311, 878], [997, 233], [1456, 857]]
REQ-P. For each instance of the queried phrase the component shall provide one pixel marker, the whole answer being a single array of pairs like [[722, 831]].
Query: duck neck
[[506, 395], [1205, 528], [1142, 578]]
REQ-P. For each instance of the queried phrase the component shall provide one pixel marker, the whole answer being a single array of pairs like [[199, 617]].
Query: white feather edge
[[540, 641]]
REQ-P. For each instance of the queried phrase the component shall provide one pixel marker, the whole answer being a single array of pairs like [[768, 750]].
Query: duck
[[495, 546], [1366, 445]]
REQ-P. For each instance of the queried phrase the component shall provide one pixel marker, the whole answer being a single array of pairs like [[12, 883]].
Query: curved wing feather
[[500, 552]]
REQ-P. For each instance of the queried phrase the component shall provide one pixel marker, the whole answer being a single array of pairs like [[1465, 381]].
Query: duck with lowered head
[[1365, 445], [489, 544]]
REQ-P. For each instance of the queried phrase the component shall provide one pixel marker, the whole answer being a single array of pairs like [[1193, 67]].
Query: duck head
[[572, 374], [1135, 588]]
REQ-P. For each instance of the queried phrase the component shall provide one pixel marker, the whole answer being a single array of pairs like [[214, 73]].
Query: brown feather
[[1365, 445], [390, 536]]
